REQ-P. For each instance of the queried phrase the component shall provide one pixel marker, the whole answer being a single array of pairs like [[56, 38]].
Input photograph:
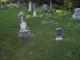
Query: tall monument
[[24, 29]]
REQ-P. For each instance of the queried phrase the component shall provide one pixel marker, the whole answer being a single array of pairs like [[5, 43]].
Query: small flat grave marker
[[49, 22]]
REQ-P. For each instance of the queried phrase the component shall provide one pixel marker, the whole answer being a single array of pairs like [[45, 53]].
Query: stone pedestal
[[25, 34]]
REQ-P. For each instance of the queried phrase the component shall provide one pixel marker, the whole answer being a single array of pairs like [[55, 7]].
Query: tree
[[68, 4]]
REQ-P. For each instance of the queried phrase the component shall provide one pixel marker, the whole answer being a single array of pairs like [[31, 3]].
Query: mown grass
[[42, 44]]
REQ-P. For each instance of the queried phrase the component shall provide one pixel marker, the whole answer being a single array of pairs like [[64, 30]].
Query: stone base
[[25, 34], [58, 38]]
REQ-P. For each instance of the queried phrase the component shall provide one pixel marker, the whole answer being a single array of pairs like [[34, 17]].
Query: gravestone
[[2, 6], [59, 34], [76, 15], [50, 4], [24, 29], [45, 7], [34, 10], [30, 6], [11, 5]]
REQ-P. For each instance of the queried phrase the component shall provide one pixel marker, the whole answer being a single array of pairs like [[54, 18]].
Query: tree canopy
[[64, 3]]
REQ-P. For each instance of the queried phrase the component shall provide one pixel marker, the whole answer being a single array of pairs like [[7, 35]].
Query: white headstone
[[45, 7], [34, 13], [76, 14], [30, 6], [34, 10], [59, 34]]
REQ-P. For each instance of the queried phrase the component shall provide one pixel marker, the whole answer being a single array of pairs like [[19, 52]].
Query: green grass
[[42, 44]]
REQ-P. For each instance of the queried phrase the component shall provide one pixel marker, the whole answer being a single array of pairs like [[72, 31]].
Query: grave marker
[[76, 15], [59, 34], [24, 29], [34, 10], [45, 7], [30, 6]]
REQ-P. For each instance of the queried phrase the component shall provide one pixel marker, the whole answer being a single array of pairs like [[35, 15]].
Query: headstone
[[24, 29], [2, 6], [76, 14], [45, 7], [30, 6], [34, 10], [50, 5], [59, 34]]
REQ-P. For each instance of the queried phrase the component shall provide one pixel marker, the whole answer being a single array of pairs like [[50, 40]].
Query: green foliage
[[69, 4], [3, 1]]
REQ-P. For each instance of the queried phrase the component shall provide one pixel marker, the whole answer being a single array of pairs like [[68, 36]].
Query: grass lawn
[[42, 44]]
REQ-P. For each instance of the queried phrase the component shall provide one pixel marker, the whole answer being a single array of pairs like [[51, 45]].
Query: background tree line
[[64, 3]]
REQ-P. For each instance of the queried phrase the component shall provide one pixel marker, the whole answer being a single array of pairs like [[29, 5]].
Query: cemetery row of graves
[[41, 33]]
